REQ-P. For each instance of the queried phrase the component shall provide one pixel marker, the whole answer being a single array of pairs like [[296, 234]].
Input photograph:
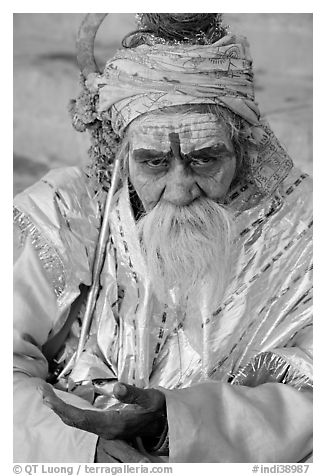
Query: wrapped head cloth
[[149, 77]]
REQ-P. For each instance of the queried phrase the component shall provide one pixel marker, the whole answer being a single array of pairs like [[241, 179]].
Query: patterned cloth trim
[[48, 255], [271, 367]]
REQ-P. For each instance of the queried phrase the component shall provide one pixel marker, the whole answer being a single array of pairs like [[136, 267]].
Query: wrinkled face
[[179, 158]]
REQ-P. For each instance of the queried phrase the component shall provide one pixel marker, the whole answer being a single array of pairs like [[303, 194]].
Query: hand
[[146, 415]]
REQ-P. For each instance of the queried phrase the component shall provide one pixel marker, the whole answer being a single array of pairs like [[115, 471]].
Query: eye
[[202, 161], [160, 162]]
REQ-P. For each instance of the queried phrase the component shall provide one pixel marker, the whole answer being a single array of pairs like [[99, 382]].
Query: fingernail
[[47, 402], [122, 390]]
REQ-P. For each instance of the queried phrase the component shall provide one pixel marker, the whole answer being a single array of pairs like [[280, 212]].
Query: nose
[[181, 188]]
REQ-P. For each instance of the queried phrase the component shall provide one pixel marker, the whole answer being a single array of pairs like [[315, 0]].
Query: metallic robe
[[237, 382]]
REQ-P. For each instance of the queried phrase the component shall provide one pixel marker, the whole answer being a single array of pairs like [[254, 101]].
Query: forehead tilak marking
[[158, 128], [176, 120], [195, 131]]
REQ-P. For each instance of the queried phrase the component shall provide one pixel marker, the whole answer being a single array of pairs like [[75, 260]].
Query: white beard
[[187, 251]]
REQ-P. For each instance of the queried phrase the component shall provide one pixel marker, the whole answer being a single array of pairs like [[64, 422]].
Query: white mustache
[[187, 247]]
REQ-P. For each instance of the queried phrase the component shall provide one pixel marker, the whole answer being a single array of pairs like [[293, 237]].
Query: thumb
[[48, 394], [150, 399]]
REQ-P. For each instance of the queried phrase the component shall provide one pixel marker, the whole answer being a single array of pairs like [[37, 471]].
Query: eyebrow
[[143, 154], [140, 155], [219, 147]]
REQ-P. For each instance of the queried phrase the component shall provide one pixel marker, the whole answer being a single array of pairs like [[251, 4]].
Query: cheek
[[148, 188], [218, 183]]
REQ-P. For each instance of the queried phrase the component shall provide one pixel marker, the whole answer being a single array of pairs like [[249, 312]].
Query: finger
[[49, 396], [73, 416], [69, 414], [108, 424], [150, 399]]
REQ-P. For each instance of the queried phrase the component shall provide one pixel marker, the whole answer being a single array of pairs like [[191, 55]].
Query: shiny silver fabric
[[261, 331]]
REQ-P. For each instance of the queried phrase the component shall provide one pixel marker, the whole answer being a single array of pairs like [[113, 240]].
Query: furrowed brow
[[218, 148], [144, 154]]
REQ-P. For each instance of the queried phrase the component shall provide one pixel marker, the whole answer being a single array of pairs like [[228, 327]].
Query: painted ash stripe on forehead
[[174, 122], [196, 131]]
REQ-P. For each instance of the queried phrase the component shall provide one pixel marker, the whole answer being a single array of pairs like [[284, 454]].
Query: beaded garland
[[105, 142], [177, 28]]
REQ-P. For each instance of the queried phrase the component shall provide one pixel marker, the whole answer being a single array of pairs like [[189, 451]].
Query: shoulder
[[72, 178], [297, 182], [296, 192], [61, 213]]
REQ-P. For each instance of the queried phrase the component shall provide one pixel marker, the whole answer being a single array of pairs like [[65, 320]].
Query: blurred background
[[46, 77]]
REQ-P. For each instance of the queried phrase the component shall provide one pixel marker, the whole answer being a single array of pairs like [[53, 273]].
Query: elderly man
[[197, 342]]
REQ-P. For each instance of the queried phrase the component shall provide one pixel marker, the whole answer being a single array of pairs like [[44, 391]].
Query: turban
[[146, 78]]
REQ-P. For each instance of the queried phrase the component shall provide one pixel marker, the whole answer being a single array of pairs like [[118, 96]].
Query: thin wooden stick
[[99, 259], [97, 267]]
